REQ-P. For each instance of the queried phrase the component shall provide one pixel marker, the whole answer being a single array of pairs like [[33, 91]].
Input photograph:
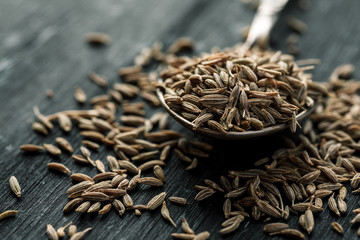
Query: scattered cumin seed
[[90, 144], [268, 209], [42, 119], [166, 214], [85, 152], [103, 176], [40, 128], [165, 153], [309, 221], [80, 177], [156, 201], [97, 38], [105, 209], [337, 227], [64, 122], [73, 204], [309, 178], [64, 144], [231, 220], [292, 233], [333, 205], [150, 181], [358, 232], [185, 227], [51, 232], [15, 186], [343, 192], [95, 196], [356, 211], [203, 194], [128, 166], [261, 161], [100, 166], [213, 185], [302, 207], [137, 212], [58, 167], [8, 213], [178, 200], [72, 230], [112, 193], [31, 148], [95, 207], [119, 206], [185, 236], [83, 207], [232, 227], [150, 164], [79, 235], [275, 227], [193, 164], [202, 236], [80, 95], [296, 24], [61, 231], [113, 164], [356, 219], [80, 159], [144, 156], [127, 200], [342, 206], [227, 208], [159, 172], [132, 183], [180, 44], [99, 80], [49, 93], [53, 150]]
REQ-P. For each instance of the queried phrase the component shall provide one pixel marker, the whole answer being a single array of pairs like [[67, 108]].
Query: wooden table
[[42, 47]]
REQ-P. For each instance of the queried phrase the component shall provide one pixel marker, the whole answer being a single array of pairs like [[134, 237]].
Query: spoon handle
[[265, 18]]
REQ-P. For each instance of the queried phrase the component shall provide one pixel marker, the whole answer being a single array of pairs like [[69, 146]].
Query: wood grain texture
[[42, 47]]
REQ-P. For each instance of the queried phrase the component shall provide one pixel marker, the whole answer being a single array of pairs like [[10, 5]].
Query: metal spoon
[[264, 20]]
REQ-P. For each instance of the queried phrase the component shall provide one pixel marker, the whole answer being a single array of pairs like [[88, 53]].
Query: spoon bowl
[[232, 135]]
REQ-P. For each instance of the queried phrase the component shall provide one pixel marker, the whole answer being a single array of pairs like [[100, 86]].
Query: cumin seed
[[8, 213], [337, 227], [51, 232], [15, 186], [58, 167], [156, 201]]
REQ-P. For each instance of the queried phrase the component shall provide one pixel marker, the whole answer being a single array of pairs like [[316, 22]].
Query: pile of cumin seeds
[[138, 151], [139, 144], [233, 91], [316, 168]]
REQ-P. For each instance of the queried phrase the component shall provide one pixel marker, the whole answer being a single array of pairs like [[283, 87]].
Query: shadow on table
[[241, 154]]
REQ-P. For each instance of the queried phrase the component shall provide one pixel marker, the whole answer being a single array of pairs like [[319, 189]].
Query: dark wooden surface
[[42, 47]]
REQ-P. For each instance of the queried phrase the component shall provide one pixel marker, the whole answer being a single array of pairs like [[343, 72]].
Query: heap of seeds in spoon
[[229, 91]]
